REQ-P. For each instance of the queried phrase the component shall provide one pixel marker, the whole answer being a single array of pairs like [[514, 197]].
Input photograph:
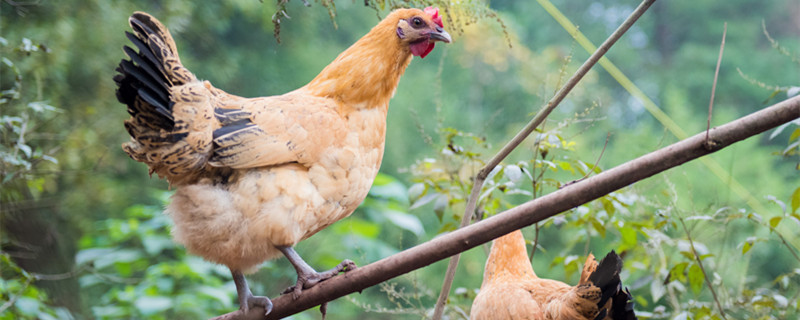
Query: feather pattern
[[255, 173]]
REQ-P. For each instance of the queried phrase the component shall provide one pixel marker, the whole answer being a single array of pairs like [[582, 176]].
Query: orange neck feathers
[[508, 257], [366, 74]]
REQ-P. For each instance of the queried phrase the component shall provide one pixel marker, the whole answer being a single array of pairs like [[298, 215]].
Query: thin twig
[[58, 276], [535, 241], [714, 85], [702, 268], [785, 243], [534, 180], [783, 239], [608, 135], [522, 135]]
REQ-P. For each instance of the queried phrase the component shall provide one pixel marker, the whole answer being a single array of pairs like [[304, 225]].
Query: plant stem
[[714, 85], [702, 268]]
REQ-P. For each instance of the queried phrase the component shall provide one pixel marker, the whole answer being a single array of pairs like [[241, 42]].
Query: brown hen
[[255, 176], [511, 290]]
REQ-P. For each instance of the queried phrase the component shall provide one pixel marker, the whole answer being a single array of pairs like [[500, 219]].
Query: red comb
[[434, 13]]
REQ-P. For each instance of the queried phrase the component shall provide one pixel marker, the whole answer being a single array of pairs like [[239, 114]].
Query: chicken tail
[[161, 135], [606, 277]]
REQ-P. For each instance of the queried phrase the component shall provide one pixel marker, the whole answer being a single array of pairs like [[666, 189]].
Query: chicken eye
[[416, 22]]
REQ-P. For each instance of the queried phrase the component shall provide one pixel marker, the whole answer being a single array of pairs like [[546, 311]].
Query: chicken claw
[[307, 277], [246, 298]]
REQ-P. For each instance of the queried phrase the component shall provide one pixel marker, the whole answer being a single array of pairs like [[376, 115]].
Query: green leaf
[[155, 243], [796, 216], [387, 187], [700, 217], [424, 200], [120, 257], [27, 305], [416, 191], [566, 166], [91, 254], [358, 226], [26, 149], [628, 235], [795, 135], [447, 227], [688, 255], [599, 227], [748, 244], [795, 200], [148, 305], [513, 173], [440, 205], [696, 278], [383, 179], [774, 221], [678, 272], [570, 265], [793, 145], [657, 290], [405, 221], [223, 296], [608, 206]]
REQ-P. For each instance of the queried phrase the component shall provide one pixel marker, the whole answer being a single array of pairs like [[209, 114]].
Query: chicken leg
[[246, 298], [307, 277]]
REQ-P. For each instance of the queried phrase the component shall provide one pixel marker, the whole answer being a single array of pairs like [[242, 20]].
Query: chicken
[[254, 176], [511, 290]]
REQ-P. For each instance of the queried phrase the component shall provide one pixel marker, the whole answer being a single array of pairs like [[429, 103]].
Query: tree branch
[[523, 134], [531, 212]]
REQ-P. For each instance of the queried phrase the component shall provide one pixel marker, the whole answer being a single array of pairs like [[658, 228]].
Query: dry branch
[[532, 211]]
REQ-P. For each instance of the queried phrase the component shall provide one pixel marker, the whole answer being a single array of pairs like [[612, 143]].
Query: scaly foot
[[246, 298], [307, 279]]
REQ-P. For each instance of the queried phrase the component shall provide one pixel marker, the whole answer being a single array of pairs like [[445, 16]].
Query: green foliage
[[24, 146], [21, 299], [26, 151], [137, 271]]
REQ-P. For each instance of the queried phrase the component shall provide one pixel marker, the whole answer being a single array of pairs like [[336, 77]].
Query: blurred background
[[82, 230]]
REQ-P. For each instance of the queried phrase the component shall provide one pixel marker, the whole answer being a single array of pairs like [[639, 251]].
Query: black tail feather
[[162, 106], [622, 306], [147, 54], [606, 277], [156, 77], [142, 82], [130, 69]]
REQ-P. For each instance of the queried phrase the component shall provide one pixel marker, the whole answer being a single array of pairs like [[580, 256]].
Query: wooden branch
[[531, 212], [523, 134]]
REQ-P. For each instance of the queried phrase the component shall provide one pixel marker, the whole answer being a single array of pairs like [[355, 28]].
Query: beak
[[440, 35]]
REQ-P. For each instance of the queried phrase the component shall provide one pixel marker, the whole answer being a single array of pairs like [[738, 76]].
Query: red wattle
[[422, 48]]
